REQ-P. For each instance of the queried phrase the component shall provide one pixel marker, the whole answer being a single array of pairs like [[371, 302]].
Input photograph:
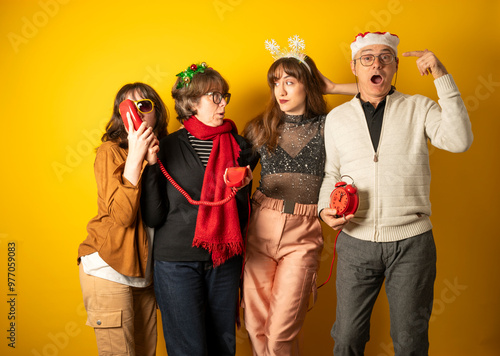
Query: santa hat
[[372, 38]]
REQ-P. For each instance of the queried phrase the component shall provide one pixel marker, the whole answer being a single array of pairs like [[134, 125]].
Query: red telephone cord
[[333, 259], [331, 266], [186, 195]]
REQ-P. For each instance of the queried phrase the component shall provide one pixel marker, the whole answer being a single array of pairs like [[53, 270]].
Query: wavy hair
[[265, 129], [115, 129]]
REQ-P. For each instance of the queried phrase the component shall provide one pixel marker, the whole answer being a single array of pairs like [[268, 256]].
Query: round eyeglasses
[[217, 97], [368, 59]]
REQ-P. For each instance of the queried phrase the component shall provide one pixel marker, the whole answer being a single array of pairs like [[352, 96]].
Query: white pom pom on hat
[[372, 38]]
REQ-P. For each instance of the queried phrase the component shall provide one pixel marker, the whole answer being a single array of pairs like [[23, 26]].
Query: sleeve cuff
[[118, 174], [445, 86]]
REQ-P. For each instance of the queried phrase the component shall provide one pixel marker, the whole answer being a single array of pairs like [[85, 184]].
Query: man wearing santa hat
[[379, 139]]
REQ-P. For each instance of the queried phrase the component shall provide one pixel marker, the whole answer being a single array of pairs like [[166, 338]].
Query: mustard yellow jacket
[[116, 232]]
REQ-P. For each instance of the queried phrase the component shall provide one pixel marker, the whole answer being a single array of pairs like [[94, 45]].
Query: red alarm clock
[[344, 198]]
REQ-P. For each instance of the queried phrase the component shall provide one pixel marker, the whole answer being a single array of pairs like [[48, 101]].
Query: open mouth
[[376, 79]]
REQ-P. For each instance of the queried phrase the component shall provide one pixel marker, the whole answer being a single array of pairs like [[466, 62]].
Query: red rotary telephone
[[234, 175], [344, 198]]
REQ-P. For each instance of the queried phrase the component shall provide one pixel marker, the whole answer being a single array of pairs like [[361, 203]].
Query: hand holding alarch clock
[[344, 202]]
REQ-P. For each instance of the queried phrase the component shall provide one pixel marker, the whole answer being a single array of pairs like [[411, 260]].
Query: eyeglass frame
[[137, 106], [226, 97], [374, 56]]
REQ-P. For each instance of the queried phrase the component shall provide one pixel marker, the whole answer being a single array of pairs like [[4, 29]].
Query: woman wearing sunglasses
[[115, 258], [284, 240], [198, 249]]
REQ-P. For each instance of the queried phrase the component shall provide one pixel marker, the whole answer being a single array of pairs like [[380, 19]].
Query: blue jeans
[[198, 305], [409, 270]]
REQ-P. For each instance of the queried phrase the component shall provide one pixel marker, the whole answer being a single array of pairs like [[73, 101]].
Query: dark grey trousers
[[409, 270]]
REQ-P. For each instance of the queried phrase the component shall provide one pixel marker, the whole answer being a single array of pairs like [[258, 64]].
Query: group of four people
[[273, 241]]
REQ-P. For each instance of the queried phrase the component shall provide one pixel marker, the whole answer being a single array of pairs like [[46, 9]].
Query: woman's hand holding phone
[[139, 144], [248, 177], [238, 177], [139, 140]]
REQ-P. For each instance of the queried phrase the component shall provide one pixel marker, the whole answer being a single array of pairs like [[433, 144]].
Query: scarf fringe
[[221, 252]]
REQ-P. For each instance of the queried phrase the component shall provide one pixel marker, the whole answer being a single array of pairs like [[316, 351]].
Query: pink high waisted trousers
[[282, 260]]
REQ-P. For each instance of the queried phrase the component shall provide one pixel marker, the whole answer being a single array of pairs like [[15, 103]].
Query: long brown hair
[[115, 129], [265, 129]]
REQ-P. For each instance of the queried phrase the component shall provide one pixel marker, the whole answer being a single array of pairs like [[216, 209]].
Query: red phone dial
[[234, 175], [344, 198]]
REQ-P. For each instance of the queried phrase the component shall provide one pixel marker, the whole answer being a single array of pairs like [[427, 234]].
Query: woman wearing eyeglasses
[[115, 258], [284, 241], [198, 248]]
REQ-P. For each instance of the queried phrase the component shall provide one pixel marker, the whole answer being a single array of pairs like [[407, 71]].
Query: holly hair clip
[[295, 50], [187, 75]]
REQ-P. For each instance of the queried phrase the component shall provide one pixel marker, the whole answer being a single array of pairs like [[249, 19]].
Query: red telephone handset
[[128, 106], [235, 176]]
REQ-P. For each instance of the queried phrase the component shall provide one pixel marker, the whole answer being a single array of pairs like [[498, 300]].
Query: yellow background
[[62, 62]]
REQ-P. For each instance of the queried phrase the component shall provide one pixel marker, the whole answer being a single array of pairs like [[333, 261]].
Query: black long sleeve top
[[168, 211]]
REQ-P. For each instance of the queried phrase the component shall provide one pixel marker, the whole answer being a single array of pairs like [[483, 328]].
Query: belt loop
[[288, 207]]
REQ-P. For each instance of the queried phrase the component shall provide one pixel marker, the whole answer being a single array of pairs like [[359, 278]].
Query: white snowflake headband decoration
[[295, 50]]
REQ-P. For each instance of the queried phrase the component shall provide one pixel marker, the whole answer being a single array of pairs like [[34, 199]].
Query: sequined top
[[294, 170]]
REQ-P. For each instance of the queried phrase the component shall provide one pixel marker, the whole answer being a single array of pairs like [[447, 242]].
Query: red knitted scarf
[[217, 227]]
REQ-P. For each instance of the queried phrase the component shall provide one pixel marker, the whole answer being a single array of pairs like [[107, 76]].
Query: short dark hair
[[187, 97]]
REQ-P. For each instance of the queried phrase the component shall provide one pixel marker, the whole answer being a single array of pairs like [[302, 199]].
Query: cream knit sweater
[[394, 182]]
